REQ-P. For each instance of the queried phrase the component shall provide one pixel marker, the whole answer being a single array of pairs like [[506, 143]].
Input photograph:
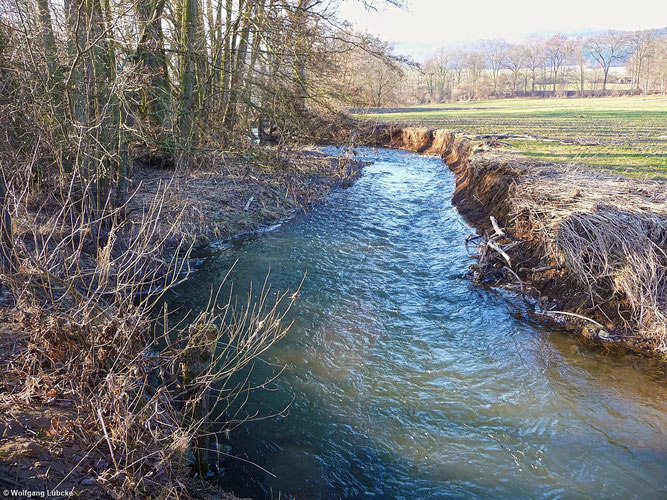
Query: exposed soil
[[229, 195]]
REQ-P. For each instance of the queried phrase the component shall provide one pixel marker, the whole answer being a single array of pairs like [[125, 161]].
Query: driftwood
[[498, 262], [504, 255], [516, 276], [496, 227], [555, 313], [494, 260], [490, 251]]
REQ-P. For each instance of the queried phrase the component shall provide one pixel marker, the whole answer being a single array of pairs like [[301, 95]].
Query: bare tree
[[436, 71], [556, 51], [496, 52], [475, 66], [641, 44], [556, 63], [457, 64], [607, 48], [516, 61], [579, 59], [535, 59]]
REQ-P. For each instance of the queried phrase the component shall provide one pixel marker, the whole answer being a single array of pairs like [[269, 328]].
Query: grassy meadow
[[625, 135]]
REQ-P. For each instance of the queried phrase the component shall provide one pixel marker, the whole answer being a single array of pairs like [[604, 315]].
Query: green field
[[627, 135]]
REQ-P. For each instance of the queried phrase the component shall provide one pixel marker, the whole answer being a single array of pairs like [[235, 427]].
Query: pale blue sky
[[429, 24]]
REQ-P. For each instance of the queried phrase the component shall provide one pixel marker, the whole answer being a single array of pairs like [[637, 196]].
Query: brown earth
[[229, 195]]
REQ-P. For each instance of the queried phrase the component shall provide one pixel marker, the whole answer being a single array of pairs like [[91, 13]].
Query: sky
[[426, 25]]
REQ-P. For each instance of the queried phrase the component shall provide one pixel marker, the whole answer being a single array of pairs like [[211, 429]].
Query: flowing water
[[404, 380]]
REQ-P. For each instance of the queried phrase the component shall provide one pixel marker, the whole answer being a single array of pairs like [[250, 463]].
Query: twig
[[106, 435], [491, 244], [496, 227], [512, 245], [542, 269], [553, 313], [515, 276]]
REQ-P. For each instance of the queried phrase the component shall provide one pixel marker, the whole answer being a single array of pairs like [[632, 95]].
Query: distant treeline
[[557, 66]]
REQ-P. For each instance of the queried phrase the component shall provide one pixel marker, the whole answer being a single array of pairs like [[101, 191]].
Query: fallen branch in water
[[516, 276], [489, 262], [504, 255], [494, 257]]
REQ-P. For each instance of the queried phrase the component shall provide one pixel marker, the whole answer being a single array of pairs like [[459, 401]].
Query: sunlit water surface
[[407, 381]]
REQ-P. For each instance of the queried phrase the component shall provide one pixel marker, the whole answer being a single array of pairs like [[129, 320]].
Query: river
[[404, 380]]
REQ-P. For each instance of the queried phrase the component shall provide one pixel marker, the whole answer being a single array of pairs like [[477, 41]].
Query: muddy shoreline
[[492, 184]]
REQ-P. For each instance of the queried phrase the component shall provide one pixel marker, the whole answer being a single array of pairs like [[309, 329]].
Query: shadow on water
[[406, 381]]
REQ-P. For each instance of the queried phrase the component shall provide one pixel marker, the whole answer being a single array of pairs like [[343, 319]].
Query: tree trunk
[[48, 39], [156, 96], [300, 51], [8, 261], [230, 33], [188, 33], [236, 68], [254, 53], [555, 80]]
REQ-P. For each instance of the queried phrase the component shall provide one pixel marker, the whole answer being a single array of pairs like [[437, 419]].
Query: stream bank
[[231, 194], [51, 435], [400, 378], [225, 199], [589, 245]]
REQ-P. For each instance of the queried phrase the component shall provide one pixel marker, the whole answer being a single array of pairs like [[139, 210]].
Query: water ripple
[[409, 382]]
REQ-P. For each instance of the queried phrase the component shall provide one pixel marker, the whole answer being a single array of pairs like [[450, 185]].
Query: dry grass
[[609, 233], [144, 391]]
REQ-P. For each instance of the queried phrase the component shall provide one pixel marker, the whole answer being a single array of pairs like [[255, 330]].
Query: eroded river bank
[[403, 379]]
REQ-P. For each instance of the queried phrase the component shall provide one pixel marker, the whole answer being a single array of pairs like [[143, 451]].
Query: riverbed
[[402, 379]]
